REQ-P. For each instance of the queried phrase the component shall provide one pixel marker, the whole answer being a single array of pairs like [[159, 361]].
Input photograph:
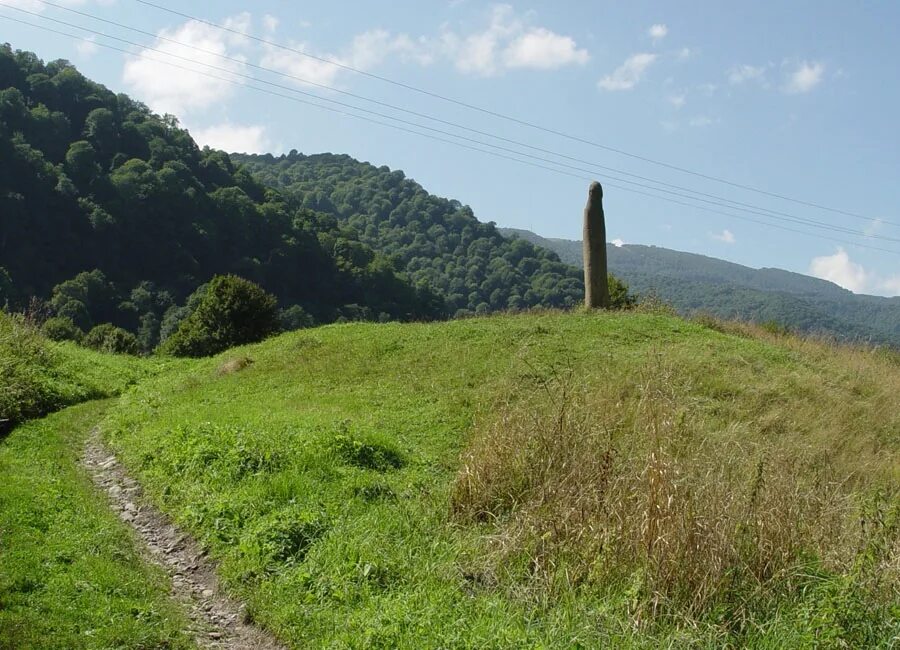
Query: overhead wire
[[510, 118], [718, 200], [439, 139]]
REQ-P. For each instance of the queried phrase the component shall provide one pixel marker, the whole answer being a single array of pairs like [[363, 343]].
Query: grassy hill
[[70, 574], [556, 479], [696, 283], [38, 376]]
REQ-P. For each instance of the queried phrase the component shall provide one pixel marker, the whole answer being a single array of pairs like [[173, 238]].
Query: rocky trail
[[217, 621]]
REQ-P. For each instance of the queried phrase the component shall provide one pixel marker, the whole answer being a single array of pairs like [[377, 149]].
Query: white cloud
[[843, 271], [627, 75], [618, 243], [510, 42], [167, 89], [804, 78], [367, 50], [311, 70], [234, 138], [658, 32], [541, 49], [678, 101], [87, 47], [838, 268], [270, 23], [726, 236], [371, 48], [685, 53], [741, 73]]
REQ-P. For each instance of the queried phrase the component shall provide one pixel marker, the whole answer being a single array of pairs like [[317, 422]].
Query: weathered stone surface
[[596, 286]]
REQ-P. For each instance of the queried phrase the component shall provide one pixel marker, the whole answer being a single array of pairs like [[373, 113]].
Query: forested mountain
[[111, 213], [696, 283], [437, 241]]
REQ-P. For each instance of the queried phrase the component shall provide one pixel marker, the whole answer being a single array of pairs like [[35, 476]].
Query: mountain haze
[[696, 283]]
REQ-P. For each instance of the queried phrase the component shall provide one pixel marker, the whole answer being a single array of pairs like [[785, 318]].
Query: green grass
[[324, 476], [70, 577], [38, 376]]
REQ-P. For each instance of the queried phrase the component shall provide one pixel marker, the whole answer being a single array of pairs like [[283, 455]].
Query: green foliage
[[294, 318], [83, 298], [94, 180], [71, 576], [367, 454], [437, 242], [38, 376], [232, 311], [694, 284], [111, 339], [61, 328], [336, 450], [619, 296]]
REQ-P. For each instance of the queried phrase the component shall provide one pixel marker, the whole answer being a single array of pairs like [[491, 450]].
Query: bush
[[112, 339], [60, 328], [232, 311], [295, 318], [619, 296], [24, 361]]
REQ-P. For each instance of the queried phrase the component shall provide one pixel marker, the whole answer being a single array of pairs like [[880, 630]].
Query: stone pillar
[[596, 287]]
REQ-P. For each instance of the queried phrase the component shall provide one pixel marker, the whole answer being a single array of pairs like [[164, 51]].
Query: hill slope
[[604, 480], [92, 180], [437, 241], [696, 283]]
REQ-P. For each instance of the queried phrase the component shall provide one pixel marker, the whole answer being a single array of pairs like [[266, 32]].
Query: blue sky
[[799, 99]]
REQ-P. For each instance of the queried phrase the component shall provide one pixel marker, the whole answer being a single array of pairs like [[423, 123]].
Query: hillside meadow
[[70, 573], [542, 480]]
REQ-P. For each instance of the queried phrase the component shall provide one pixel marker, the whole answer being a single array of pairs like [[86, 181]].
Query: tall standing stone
[[596, 287]]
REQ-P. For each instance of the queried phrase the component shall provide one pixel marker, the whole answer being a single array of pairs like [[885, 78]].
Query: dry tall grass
[[637, 478]]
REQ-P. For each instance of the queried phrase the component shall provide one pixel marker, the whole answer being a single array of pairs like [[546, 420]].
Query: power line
[[755, 210], [510, 118], [458, 144], [718, 200]]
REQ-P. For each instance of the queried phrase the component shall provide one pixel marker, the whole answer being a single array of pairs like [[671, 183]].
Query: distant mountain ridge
[[696, 283]]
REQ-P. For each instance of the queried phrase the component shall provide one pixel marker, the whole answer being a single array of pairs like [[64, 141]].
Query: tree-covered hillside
[[696, 283], [437, 241], [113, 214]]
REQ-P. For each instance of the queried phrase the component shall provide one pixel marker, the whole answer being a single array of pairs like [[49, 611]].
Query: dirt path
[[216, 620]]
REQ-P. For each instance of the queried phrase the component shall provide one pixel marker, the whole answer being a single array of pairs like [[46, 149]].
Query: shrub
[[295, 318], [112, 339], [24, 360], [619, 295], [367, 454], [232, 311], [60, 328]]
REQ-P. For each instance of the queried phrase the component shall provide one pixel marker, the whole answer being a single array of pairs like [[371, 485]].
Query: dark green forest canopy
[[114, 214], [437, 241], [118, 216]]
